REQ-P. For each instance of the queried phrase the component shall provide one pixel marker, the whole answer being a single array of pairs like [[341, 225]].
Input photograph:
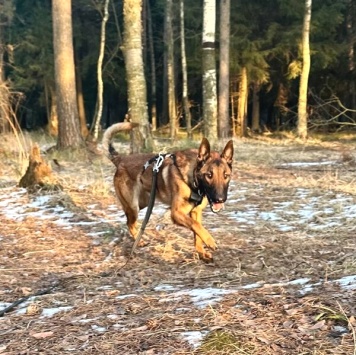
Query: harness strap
[[158, 159], [151, 202]]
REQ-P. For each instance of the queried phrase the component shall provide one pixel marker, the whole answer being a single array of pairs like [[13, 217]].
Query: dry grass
[[272, 319]]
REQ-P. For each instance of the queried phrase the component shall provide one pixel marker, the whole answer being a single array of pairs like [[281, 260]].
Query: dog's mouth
[[217, 206]]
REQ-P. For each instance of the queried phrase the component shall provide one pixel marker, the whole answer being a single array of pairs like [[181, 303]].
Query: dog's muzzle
[[216, 206]]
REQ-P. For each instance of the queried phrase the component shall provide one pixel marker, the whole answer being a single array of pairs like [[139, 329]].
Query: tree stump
[[38, 174]]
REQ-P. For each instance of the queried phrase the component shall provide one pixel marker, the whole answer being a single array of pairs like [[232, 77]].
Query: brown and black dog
[[187, 183]]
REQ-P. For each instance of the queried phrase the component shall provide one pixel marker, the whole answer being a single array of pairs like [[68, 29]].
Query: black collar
[[196, 195]]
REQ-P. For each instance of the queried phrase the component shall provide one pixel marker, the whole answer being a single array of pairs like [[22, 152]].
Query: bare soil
[[277, 285]]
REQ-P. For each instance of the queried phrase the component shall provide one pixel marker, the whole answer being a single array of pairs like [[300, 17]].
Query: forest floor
[[283, 280]]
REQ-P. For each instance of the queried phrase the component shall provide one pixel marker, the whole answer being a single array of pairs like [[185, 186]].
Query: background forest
[[265, 44]]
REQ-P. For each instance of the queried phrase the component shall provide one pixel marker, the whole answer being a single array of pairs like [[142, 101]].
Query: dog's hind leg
[[130, 208], [131, 216]]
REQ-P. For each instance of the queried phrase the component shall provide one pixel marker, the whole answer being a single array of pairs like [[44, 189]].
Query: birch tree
[[153, 83], [135, 76], [224, 78], [68, 117], [172, 109], [99, 102], [209, 70], [185, 99], [302, 129]]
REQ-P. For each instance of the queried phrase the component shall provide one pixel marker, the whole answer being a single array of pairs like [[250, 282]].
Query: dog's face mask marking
[[214, 173]]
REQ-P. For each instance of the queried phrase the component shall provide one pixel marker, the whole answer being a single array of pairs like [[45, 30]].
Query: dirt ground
[[283, 280]]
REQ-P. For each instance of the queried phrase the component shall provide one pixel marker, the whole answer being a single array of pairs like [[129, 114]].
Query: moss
[[225, 343]]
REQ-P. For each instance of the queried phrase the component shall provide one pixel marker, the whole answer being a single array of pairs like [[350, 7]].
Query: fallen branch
[[23, 299]]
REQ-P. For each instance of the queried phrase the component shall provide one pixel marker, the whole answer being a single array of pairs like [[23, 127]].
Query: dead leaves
[[42, 335]]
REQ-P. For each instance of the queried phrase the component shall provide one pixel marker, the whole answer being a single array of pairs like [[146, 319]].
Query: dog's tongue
[[216, 207]]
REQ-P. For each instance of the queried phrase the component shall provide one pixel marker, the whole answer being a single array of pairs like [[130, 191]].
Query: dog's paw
[[206, 256], [210, 243]]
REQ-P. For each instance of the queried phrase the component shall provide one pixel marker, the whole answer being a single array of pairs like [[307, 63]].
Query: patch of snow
[[194, 338], [87, 320], [164, 287], [49, 312], [347, 282], [306, 164], [122, 297], [105, 287], [98, 329], [201, 297]]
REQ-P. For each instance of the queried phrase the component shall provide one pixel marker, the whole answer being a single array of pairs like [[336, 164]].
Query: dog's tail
[[109, 134]]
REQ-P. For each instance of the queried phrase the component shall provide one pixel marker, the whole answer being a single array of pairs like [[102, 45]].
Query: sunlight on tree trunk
[[209, 71], [185, 99], [135, 76], [5, 104], [53, 114], [99, 111], [241, 126], [153, 85], [256, 108], [68, 117], [81, 108], [302, 128], [172, 108], [224, 78]]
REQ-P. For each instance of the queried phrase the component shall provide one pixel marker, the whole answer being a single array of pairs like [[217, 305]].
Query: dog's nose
[[220, 200]]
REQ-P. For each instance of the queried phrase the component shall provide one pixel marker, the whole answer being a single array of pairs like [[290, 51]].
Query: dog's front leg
[[196, 215], [180, 215]]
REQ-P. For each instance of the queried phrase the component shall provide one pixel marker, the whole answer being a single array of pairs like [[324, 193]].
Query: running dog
[[187, 182]]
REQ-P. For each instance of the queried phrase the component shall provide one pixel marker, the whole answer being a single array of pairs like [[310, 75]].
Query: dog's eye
[[226, 176], [209, 175]]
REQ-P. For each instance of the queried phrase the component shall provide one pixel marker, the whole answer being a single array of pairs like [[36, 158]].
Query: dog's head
[[213, 173]]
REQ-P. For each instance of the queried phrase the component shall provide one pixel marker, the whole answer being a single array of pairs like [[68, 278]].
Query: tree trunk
[[351, 34], [5, 115], [224, 78], [209, 71], [302, 129], [100, 92], [153, 85], [38, 174], [68, 117], [135, 76], [185, 99], [53, 112], [172, 109], [256, 108], [81, 108], [241, 127]]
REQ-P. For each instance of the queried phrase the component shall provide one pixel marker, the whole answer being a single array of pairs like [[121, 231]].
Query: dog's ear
[[204, 150], [228, 152]]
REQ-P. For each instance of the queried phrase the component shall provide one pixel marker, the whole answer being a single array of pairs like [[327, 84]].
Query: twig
[[23, 299]]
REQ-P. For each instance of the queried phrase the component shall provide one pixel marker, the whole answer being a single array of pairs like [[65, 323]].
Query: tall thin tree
[[153, 85], [241, 126], [224, 72], [302, 129], [172, 107], [68, 117], [135, 76], [100, 93], [209, 71], [185, 99]]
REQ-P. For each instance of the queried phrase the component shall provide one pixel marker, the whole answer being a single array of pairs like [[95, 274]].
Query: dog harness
[[158, 161], [196, 195]]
